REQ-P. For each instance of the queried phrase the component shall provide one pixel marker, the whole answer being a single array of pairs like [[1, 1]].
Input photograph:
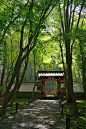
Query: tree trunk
[[5, 102], [2, 76], [34, 77], [15, 87], [6, 94], [83, 68], [19, 84], [69, 99], [70, 79], [85, 80], [4, 63], [70, 84], [84, 74]]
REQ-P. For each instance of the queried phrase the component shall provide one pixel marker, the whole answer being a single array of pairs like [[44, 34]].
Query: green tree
[[33, 18], [69, 15], [69, 22], [10, 12]]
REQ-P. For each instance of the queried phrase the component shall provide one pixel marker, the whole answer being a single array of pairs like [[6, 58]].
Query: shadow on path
[[42, 114]]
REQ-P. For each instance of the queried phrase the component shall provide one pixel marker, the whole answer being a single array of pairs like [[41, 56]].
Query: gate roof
[[51, 75]]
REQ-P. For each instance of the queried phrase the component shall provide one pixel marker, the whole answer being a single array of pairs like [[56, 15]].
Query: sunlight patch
[[49, 101], [52, 122], [83, 118], [23, 124], [10, 117], [41, 126], [42, 117], [14, 127]]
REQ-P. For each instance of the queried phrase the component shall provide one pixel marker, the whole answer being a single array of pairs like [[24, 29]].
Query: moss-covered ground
[[76, 122], [22, 103]]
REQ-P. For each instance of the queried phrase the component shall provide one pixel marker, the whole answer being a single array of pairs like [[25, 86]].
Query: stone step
[[49, 98]]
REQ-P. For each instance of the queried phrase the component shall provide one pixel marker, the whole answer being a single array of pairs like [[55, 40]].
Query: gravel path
[[42, 114]]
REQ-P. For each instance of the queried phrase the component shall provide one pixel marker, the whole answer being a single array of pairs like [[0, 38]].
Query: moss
[[78, 122]]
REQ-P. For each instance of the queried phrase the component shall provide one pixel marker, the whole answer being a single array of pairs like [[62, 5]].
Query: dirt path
[[42, 114]]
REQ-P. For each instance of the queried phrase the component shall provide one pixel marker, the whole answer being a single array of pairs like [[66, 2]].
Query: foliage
[[26, 27], [26, 21], [77, 122], [22, 103]]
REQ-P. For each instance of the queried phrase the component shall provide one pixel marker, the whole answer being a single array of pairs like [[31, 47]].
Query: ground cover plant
[[76, 122], [22, 103]]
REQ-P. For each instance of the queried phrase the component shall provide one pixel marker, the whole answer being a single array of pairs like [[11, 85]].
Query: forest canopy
[[42, 34]]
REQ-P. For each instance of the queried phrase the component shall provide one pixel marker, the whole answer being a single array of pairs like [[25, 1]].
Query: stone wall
[[26, 87]]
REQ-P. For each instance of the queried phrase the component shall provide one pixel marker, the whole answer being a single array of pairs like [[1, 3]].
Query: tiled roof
[[50, 73]]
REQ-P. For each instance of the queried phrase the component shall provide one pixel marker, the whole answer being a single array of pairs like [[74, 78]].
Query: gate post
[[16, 107], [43, 87], [58, 86], [67, 122]]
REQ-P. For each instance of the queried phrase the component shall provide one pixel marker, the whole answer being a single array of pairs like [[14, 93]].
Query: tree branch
[[5, 30], [50, 11], [22, 32], [80, 13], [72, 46], [61, 18], [73, 17]]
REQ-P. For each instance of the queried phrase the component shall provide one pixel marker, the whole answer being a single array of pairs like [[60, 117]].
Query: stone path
[[42, 114]]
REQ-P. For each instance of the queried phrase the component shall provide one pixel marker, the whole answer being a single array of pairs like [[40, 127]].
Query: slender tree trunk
[[34, 77], [85, 80], [2, 76], [15, 87], [8, 74], [83, 68], [6, 94], [4, 63], [19, 84], [84, 74]]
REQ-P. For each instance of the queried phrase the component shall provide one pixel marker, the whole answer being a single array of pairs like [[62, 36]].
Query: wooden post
[[62, 108], [16, 107], [67, 122], [44, 87], [58, 85]]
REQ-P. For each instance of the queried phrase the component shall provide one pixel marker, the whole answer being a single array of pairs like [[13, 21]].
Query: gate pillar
[[43, 87], [58, 86]]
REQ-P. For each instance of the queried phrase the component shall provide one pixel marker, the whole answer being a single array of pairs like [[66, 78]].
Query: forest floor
[[41, 114], [76, 122]]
